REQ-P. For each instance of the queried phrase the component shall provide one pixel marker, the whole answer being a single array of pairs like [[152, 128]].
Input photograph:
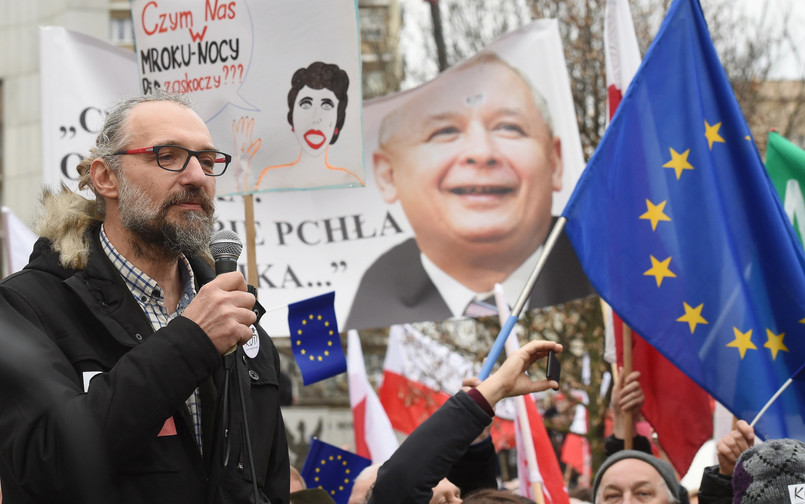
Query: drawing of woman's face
[[314, 116]]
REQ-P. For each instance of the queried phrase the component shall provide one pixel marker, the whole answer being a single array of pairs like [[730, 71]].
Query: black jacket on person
[[87, 321], [430, 452], [715, 488]]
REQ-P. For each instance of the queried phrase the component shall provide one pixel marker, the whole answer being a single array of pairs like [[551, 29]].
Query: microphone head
[[225, 244]]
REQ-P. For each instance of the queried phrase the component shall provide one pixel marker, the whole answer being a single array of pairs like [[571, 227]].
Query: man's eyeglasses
[[175, 158]]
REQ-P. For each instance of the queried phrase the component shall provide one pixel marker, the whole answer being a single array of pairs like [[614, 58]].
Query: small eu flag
[[332, 469], [314, 338]]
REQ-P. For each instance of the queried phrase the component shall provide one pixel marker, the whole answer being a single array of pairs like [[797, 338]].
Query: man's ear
[[556, 162], [104, 179], [384, 175]]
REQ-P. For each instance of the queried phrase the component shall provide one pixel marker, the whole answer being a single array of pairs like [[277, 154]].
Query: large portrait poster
[[278, 83], [361, 243]]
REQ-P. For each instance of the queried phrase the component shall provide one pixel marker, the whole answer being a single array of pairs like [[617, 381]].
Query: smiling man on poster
[[474, 162]]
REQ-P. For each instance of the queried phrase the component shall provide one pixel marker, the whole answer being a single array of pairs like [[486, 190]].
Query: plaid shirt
[[152, 300]]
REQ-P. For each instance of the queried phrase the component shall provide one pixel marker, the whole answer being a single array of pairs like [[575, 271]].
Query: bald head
[[400, 117]]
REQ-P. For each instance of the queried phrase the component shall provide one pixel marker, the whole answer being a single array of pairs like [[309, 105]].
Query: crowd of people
[[445, 460]]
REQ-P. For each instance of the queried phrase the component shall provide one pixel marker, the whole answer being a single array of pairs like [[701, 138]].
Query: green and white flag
[[785, 163]]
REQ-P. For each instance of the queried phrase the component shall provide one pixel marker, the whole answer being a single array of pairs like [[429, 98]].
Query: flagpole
[[525, 427], [251, 245], [777, 394], [628, 435], [497, 347]]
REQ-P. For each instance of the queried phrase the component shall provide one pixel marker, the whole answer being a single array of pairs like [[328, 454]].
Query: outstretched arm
[[427, 455]]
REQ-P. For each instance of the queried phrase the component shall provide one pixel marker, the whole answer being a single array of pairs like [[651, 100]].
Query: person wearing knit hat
[[634, 476], [770, 473]]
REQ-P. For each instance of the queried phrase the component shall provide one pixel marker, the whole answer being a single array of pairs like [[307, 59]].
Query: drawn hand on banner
[[245, 148]]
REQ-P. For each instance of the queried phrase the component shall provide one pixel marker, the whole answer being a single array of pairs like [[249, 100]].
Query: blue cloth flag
[[678, 227], [315, 341], [332, 469]]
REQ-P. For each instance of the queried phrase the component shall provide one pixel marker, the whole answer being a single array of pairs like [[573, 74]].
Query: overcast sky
[[418, 12], [774, 10]]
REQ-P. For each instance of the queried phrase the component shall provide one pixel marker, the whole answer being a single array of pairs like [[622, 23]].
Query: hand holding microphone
[[223, 307]]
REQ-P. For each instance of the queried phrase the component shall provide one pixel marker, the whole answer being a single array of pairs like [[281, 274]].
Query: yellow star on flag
[[774, 343], [711, 132], [679, 162], [692, 316], [742, 341], [659, 270], [655, 213]]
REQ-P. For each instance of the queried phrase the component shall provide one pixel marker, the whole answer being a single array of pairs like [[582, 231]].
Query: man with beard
[[132, 323]]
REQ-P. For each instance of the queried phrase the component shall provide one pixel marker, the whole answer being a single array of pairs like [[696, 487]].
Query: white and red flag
[[420, 374], [545, 468], [678, 409], [538, 470], [621, 53], [374, 436]]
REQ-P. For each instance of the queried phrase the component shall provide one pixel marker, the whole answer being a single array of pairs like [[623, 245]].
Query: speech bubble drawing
[[203, 50]]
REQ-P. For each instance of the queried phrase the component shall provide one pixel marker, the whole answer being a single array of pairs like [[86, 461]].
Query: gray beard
[[154, 236]]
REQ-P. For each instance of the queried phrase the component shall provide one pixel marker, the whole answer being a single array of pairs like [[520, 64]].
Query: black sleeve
[[613, 445], [477, 469], [715, 488], [278, 470], [45, 414], [427, 455], [51, 444]]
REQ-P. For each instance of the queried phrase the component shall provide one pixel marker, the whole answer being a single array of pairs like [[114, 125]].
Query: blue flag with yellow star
[[332, 469], [315, 341], [678, 227]]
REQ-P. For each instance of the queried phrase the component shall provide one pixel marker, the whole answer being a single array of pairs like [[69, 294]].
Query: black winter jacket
[[65, 445], [430, 452]]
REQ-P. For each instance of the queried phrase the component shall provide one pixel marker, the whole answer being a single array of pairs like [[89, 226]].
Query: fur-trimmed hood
[[64, 218]]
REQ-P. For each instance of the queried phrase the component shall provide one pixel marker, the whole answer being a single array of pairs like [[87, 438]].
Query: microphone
[[225, 248]]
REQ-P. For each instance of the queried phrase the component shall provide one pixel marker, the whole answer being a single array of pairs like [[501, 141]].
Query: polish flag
[[374, 437], [621, 53], [545, 469], [538, 471], [678, 409], [420, 374]]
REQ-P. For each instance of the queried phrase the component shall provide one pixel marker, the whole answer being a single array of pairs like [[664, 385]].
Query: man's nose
[[480, 148], [193, 174]]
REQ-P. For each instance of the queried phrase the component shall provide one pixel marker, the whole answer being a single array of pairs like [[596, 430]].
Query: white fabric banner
[[308, 243], [81, 77], [312, 242]]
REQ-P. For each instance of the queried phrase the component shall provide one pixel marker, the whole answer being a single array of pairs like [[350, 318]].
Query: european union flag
[[314, 338], [678, 227], [332, 469]]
